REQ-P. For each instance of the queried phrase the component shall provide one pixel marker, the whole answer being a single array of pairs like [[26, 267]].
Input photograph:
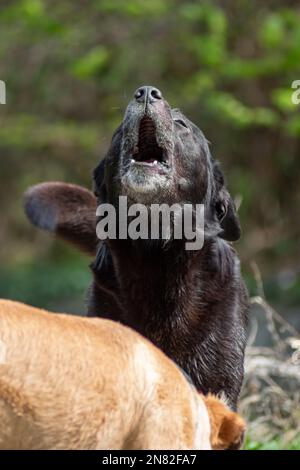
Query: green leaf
[[135, 8], [282, 98], [272, 31], [229, 108], [91, 64]]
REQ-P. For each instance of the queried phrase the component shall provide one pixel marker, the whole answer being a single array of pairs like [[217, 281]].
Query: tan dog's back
[[71, 364], [75, 383]]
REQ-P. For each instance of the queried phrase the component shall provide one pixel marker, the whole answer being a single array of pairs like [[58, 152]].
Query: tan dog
[[75, 383]]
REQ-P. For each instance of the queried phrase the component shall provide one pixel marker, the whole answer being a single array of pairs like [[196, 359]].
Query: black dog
[[192, 304]]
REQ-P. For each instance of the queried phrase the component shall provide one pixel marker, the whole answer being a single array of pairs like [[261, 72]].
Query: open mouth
[[148, 153]]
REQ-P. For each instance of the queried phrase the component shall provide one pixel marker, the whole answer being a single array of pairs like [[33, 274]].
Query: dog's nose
[[147, 94]]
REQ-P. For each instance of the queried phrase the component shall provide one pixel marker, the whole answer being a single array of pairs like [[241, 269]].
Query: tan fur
[[80, 383], [227, 427]]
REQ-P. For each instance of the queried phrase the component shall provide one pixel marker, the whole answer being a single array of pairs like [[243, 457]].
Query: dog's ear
[[227, 427], [99, 182], [67, 210], [225, 209]]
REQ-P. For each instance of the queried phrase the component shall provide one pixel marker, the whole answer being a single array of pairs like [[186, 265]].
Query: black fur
[[192, 304]]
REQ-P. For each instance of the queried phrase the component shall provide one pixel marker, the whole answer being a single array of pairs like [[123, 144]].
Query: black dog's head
[[156, 156]]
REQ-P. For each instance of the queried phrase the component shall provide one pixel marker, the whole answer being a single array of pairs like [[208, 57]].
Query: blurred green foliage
[[276, 444], [70, 69]]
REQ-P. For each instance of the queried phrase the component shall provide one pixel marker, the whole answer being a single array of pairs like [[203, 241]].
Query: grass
[[275, 444]]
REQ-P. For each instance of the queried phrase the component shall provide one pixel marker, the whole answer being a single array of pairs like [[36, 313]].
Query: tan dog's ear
[[227, 427], [67, 210]]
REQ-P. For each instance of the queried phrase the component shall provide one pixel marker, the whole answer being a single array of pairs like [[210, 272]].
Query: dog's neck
[[161, 286], [156, 280], [185, 303]]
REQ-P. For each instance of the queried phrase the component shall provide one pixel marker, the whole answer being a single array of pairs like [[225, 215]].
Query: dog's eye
[[181, 122], [221, 211]]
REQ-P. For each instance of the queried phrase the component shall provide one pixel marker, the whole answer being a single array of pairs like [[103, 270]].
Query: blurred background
[[70, 69]]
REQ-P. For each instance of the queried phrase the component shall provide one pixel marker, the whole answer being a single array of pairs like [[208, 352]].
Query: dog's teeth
[[132, 160], [155, 162]]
